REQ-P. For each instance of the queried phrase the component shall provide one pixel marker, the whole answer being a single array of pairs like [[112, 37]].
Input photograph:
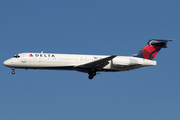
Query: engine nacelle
[[124, 62]]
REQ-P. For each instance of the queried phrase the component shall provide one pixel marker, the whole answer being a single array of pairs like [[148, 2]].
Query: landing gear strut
[[13, 72]]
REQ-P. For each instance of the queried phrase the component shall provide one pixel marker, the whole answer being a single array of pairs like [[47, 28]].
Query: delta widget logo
[[30, 55]]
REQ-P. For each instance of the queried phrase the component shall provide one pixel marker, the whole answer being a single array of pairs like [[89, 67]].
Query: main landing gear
[[13, 72], [91, 75]]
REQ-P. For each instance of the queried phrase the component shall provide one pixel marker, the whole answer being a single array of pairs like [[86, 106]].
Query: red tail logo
[[151, 49]]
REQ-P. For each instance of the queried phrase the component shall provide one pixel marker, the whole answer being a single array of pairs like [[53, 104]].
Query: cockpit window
[[16, 56]]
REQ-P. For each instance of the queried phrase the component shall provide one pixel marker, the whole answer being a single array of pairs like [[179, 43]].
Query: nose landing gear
[[13, 72]]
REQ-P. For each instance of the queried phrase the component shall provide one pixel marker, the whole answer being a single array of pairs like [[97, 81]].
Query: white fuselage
[[70, 61]]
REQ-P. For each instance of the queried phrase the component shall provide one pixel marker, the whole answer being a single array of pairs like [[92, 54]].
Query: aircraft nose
[[7, 63]]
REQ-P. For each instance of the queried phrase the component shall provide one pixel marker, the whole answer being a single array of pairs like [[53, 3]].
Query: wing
[[95, 65]]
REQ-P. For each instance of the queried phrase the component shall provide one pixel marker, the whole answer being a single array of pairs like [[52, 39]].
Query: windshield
[[16, 56]]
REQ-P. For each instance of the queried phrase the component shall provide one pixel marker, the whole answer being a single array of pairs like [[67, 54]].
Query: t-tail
[[151, 49]]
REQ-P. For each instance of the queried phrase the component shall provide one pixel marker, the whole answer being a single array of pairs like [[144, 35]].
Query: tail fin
[[151, 49]]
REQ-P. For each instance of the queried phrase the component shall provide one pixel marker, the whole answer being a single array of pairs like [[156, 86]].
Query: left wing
[[96, 65]]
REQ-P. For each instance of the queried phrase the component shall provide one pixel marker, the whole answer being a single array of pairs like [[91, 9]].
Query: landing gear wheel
[[13, 72], [91, 77]]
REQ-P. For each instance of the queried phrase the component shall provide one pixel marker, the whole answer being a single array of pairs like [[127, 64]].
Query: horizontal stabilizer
[[156, 42]]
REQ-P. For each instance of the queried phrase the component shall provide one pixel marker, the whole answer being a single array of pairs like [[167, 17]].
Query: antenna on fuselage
[[42, 52]]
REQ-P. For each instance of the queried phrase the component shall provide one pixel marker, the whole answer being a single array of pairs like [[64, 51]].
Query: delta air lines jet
[[91, 64]]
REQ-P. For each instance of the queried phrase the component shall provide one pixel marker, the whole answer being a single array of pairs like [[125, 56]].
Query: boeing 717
[[91, 64]]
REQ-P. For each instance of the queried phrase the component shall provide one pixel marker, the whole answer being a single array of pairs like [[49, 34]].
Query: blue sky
[[90, 27]]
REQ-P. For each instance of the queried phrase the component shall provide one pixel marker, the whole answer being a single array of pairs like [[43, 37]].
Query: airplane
[[91, 64]]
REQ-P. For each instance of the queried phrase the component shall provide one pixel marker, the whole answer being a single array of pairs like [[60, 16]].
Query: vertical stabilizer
[[151, 49]]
